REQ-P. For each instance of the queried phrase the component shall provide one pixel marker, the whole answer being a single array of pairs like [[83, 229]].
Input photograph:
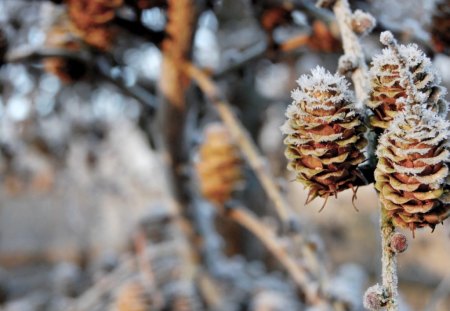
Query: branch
[[138, 29], [352, 49], [389, 261], [32, 55], [300, 276], [247, 146]]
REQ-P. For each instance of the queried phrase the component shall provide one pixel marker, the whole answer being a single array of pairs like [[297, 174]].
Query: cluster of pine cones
[[325, 136]]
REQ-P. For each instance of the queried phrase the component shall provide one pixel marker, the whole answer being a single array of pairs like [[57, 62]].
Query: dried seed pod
[[440, 27], [325, 138], [219, 164], [92, 20], [388, 86], [132, 296], [411, 174]]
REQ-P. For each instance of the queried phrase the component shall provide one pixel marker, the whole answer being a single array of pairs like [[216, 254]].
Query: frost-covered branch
[[352, 48], [388, 262]]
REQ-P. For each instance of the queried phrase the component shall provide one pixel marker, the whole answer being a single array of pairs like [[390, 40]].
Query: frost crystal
[[391, 89]]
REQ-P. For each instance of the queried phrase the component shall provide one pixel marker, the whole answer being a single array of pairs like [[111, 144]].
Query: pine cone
[[219, 164], [91, 19], [132, 296], [440, 27], [412, 175], [324, 134], [387, 87]]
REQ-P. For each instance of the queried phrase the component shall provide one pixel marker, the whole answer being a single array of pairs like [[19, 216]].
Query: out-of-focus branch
[[104, 285], [32, 55], [242, 137], [137, 28], [389, 261], [300, 276]]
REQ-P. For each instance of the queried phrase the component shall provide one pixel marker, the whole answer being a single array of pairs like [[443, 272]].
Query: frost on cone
[[387, 86], [412, 175], [219, 164], [325, 141]]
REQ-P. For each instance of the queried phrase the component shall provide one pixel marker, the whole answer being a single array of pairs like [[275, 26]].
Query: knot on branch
[[398, 243], [376, 298], [362, 22], [347, 64]]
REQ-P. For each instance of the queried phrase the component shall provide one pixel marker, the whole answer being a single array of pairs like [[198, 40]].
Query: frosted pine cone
[[412, 175], [388, 87], [324, 134], [219, 164]]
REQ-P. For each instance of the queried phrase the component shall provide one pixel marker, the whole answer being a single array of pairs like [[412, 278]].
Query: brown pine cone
[[440, 27], [412, 174], [388, 87], [132, 296], [325, 134], [91, 19], [219, 164]]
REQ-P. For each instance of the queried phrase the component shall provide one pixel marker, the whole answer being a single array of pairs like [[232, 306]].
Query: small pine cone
[[132, 296], [440, 27], [325, 138], [388, 87], [91, 20], [219, 164], [411, 174]]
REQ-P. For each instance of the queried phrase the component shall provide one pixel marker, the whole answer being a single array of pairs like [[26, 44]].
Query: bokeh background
[[79, 171]]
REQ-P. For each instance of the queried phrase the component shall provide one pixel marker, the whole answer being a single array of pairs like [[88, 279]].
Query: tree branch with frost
[[353, 50], [246, 144]]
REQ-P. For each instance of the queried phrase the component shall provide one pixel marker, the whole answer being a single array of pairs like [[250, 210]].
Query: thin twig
[[102, 286], [31, 55], [242, 137], [300, 276], [389, 261], [352, 49]]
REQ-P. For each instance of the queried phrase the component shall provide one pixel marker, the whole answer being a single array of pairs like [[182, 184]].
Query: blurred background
[[85, 200]]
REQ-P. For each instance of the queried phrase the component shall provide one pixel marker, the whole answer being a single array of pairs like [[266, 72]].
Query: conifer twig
[[242, 137], [299, 275], [389, 261], [352, 49]]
